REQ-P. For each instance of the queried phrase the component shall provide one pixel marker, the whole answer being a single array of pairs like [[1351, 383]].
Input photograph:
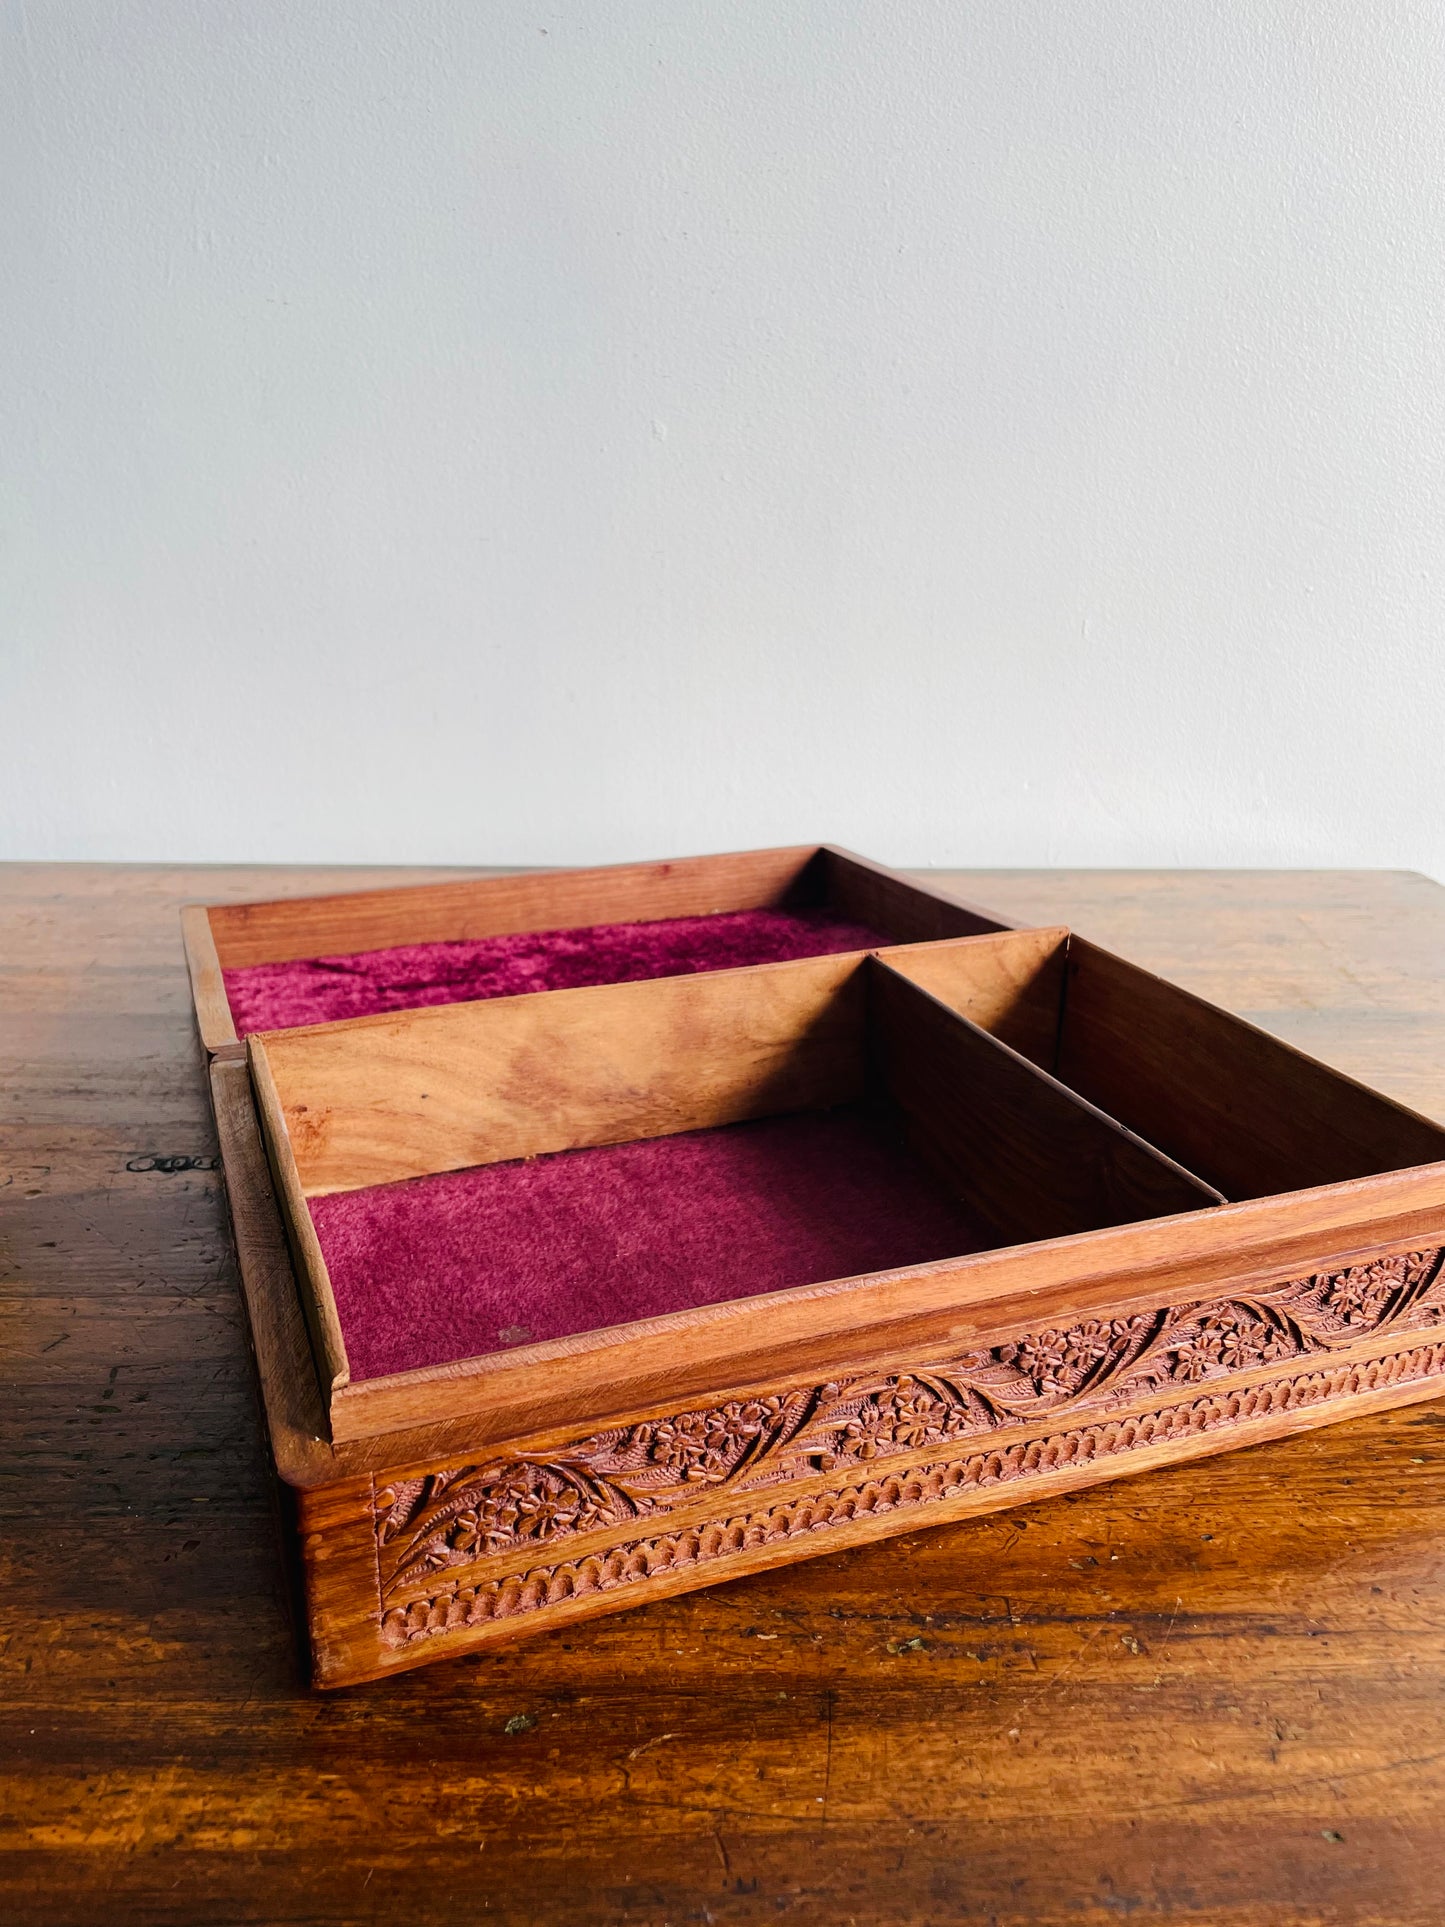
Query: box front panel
[[434, 1558]]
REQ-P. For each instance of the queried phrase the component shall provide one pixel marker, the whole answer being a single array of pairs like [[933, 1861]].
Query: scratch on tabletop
[[656, 1740], [1168, 1635], [1053, 1680], [828, 1756], [1209, 1796]]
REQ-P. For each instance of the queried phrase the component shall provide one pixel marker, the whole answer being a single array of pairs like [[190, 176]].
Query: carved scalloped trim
[[453, 1518], [912, 1489]]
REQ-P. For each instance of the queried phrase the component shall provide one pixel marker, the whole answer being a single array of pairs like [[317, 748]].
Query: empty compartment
[[326, 959], [485, 1176], [1251, 1115]]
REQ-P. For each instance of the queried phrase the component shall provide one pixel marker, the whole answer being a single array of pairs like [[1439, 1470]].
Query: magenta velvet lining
[[449, 1267], [319, 990]]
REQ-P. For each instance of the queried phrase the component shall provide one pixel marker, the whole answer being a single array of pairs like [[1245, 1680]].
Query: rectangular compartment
[[268, 966], [463, 1181], [1026, 1138], [1251, 1115]]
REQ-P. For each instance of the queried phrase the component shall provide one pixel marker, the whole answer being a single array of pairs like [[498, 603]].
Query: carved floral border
[[910, 1489], [453, 1518]]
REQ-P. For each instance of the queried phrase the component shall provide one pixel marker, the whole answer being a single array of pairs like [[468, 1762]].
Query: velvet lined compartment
[[464, 1263], [323, 990]]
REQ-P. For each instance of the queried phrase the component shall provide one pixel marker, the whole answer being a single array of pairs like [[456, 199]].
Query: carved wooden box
[[303, 960], [577, 1299]]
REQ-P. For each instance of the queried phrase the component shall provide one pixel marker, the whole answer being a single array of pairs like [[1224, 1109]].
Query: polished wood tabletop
[[1212, 1695]]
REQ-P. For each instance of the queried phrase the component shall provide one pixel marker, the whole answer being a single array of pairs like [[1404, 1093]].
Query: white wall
[[976, 430]]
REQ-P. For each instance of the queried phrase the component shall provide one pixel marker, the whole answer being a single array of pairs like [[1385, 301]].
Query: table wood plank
[[1214, 1695]]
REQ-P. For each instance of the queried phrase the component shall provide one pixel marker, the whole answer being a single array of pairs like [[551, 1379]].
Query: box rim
[[459, 1388], [291, 1395], [313, 1275], [215, 1022]]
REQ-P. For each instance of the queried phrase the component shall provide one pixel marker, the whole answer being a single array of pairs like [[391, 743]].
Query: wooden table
[[1214, 1695]]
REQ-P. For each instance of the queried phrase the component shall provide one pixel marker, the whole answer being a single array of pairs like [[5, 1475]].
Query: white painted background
[[981, 431]]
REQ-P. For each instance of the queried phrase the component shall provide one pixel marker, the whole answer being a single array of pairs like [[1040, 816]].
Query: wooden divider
[[898, 906], [398, 1096], [1030, 1156], [1010, 984]]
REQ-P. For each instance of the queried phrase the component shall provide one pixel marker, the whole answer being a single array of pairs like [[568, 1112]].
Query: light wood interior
[[1011, 983], [382, 1098], [1056, 1088], [804, 875], [1254, 1114], [1251, 1115], [1026, 1154], [740, 1349]]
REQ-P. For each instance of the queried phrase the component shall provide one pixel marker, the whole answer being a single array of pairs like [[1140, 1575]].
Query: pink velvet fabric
[[319, 990], [475, 1261]]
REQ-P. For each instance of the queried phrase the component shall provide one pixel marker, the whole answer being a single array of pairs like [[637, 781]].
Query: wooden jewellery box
[[303, 960], [581, 1298]]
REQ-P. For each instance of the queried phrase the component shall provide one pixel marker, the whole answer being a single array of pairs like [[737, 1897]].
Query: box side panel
[[284, 930], [290, 1389], [910, 912], [214, 1026], [1251, 1114], [317, 1299]]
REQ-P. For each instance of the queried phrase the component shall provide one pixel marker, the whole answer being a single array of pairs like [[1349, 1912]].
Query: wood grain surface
[[1210, 1695], [376, 1099]]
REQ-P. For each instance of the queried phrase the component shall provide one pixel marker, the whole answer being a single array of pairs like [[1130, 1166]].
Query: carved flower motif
[[530, 1502], [1359, 1296], [1057, 1362], [542, 1513], [864, 1437], [1227, 1341], [892, 1421], [1233, 1348], [1042, 1357], [703, 1447], [919, 1418]]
